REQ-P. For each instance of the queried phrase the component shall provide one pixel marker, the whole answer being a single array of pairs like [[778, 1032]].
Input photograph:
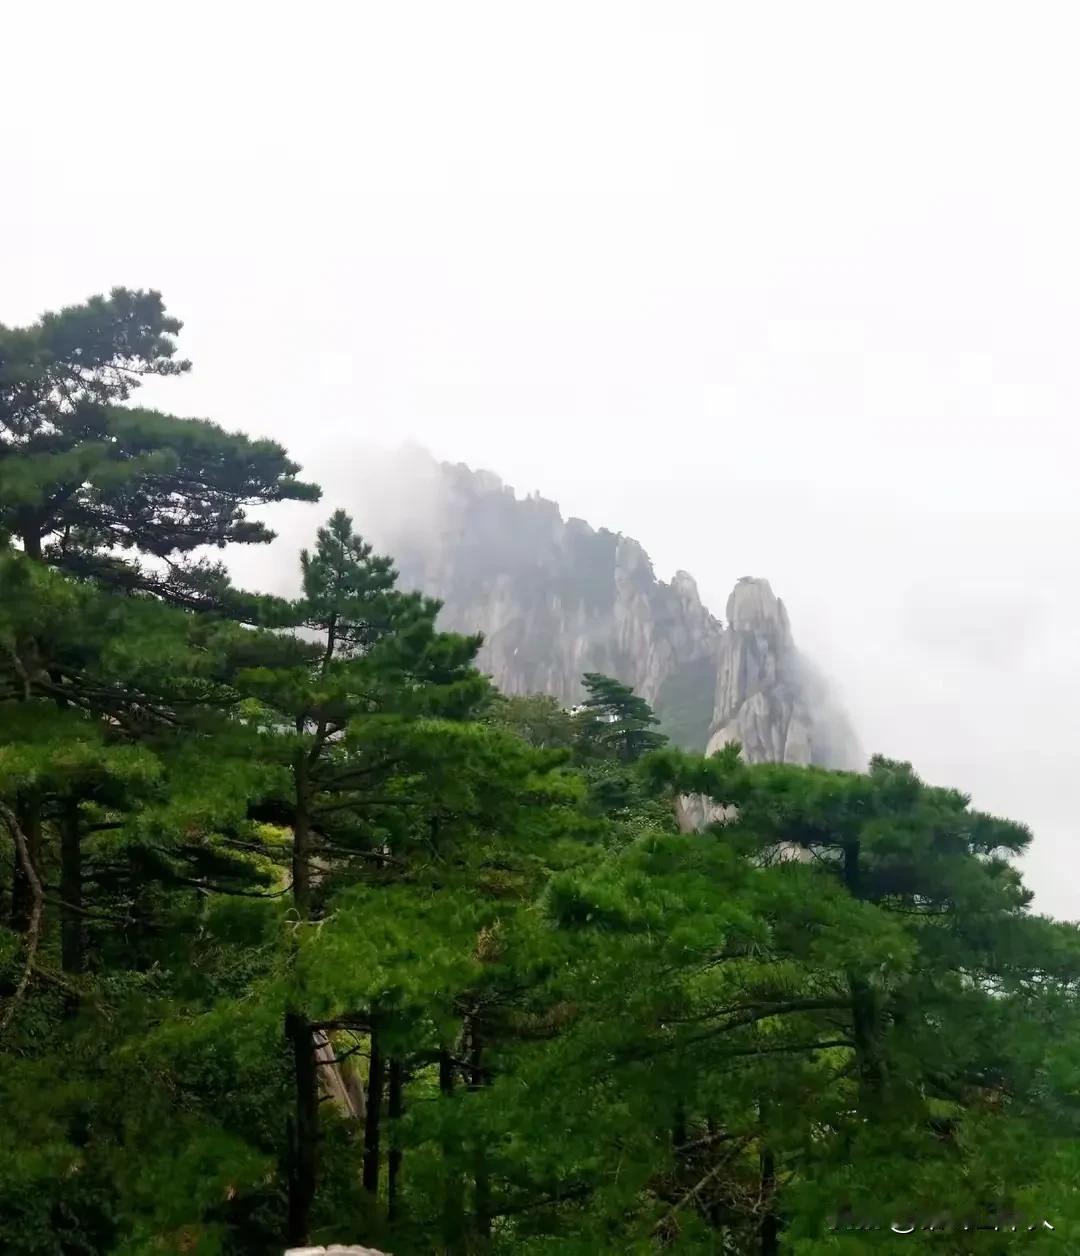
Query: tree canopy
[[309, 935], [85, 481]]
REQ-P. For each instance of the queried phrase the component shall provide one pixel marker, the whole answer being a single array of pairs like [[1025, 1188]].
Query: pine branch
[[20, 670], [376, 856], [260, 848], [790, 1046], [364, 802], [33, 930], [95, 915], [752, 1016], [707, 1141], [571, 1193], [693, 1192], [342, 779], [207, 888], [359, 1049], [54, 979]]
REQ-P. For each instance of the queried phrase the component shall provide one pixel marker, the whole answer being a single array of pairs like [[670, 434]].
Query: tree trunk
[[866, 1033], [453, 1199], [31, 539], [770, 1222], [395, 1108], [865, 1012], [303, 1129], [22, 898], [853, 870], [769, 1229], [372, 1130], [678, 1126], [446, 1073], [301, 849], [71, 924], [343, 1089], [33, 925], [482, 1198]]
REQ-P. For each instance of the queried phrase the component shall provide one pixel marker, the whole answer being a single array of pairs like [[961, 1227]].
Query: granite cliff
[[770, 697], [555, 598]]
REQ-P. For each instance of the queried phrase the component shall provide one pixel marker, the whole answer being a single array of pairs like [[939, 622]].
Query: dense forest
[[310, 935]]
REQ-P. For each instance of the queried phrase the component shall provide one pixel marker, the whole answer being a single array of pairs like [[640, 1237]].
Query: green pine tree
[[86, 481], [615, 720]]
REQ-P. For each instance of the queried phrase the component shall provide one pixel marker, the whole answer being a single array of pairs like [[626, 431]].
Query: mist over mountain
[[733, 352], [556, 598]]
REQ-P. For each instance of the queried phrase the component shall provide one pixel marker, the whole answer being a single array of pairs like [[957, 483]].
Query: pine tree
[[86, 480], [805, 1028], [581, 1030], [122, 769], [367, 722], [349, 706], [538, 718], [616, 719]]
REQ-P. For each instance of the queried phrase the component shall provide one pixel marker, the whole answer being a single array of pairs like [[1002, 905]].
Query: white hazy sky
[[780, 289]]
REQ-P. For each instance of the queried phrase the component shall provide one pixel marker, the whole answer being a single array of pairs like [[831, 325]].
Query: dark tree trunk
[[303, 1129], [770, 1222], [395, 1108], [22, 898], [372, 1130], [769, 1229], [301, 849], [482, 1199], [866, 1033], [71, 924], [453, 1199], [853, 870], [678, 1126], [865, 1012], [31, 539]]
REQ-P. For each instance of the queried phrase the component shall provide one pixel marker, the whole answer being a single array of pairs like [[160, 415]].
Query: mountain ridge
[[556, 598]]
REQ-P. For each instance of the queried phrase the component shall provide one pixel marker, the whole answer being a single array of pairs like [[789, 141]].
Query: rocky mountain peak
[[685, 586], [752, 606], [556, 598]]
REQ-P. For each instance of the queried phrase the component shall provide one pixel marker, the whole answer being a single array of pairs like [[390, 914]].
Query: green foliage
[[684, 704], [537, 718], [256, 878], [83, 479], [616, 721]]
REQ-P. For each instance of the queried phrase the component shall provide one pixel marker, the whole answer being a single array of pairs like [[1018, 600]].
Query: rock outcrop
[[768, 696], [335, 1249], [556, 598]]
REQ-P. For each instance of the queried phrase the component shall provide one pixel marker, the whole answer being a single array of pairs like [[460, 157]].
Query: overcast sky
[[788, 290]]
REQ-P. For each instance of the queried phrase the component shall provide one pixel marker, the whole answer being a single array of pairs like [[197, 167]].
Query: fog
[[778, 289]]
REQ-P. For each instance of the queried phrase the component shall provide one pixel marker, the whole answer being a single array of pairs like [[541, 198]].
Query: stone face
[[556, 598], [768, 697]]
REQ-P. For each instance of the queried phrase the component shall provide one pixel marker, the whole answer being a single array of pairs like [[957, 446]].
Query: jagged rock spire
[[768, 697], [557, 598]]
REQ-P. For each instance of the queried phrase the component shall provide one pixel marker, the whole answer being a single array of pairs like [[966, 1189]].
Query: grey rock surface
[[555, 598], [768, 696], [335, 1249]]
